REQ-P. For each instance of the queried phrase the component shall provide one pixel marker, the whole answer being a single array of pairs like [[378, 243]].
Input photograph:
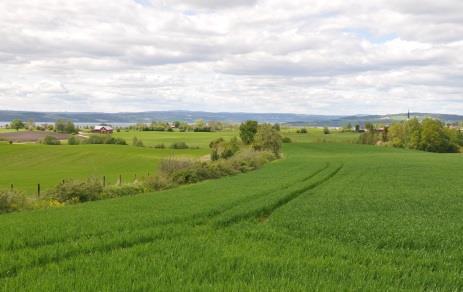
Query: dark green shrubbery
[[137, 142], [11, 200], [179, 145], [241, 162], [159, 146], [50, 140], [122, 190], [286, 140], [77, 191], [106, 139], [222, 149], [302, 131], [73, 140]]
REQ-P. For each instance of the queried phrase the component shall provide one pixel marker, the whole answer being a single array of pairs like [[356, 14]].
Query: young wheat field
[[325, 217]]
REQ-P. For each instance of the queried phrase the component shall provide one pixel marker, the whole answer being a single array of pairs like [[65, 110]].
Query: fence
[[119, 180]]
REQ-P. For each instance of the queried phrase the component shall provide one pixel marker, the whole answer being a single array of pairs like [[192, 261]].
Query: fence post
[[11, 187], [120, 179], [38, 190], [104, 181]]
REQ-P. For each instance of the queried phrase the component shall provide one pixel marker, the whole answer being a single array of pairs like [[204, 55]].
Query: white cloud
[[340, 56]]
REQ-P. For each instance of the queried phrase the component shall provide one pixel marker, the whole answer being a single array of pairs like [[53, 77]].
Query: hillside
[[191, 116], [327, 217]]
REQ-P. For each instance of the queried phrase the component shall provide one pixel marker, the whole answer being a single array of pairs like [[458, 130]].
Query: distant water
[[3, 124]]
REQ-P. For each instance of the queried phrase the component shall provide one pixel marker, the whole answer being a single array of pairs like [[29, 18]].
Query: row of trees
[[61, 126], [198, 126], [428, 135]]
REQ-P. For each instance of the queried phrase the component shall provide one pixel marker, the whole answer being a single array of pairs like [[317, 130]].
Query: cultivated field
[[327, 217], [30, 136], [26, 165]]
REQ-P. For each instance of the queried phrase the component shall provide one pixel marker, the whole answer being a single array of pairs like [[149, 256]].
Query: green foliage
[[286, 140], [302, 131], [12, 200], [326, 131], [222, 149], [179, 145], [50, 140], [248, 130], [137, 142], [73, 140], [17, 124], [73, 191], [159, 146], [65, 126], [429, 135], [267, 139], [104, 139]]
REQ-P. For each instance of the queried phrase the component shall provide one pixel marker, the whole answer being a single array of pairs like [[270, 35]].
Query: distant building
[[103, 129]]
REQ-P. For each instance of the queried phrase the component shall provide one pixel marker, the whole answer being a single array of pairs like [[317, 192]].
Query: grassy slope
[[329, 216], [25, 165]]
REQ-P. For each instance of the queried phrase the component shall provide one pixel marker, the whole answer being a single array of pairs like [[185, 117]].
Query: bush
[[11, 200], [73, 141], [172, 164], [77, 191], [159, 146], [286, 140], [326, 131], [302, 131], [158, 182], [98, 139], [137, 142], [50, 140], [179, 145], [123, 190]]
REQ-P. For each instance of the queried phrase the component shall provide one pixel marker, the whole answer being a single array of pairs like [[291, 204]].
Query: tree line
[[429, 135]]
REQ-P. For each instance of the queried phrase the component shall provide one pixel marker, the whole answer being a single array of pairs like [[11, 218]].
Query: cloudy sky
[[300, 56]]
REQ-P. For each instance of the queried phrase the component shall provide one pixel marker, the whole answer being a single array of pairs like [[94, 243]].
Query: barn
[[103, 129]]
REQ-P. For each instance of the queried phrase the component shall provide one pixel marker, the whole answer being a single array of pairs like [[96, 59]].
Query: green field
[[326, 217], [194, 139], [26, 165]]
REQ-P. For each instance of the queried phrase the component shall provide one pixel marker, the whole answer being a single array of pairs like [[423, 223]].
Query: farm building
[[103, 129]]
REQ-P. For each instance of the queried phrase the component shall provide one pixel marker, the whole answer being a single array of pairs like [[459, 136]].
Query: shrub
[[73, 140], [302, 131], [222, 149], [172, 164], [98, 139], [122, 190], [286, 140], [326, 131], [179, 145], [50, 140], [158, 182], [159, 146], [137, 142], [77, 191], [11, 200]]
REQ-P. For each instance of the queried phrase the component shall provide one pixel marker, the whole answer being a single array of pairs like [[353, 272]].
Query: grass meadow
[[326, 217]]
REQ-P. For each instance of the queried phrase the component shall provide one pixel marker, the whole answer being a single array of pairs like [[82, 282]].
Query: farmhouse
[[103, 129]]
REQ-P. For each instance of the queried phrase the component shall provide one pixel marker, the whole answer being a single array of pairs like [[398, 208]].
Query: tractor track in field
[[261, 214]]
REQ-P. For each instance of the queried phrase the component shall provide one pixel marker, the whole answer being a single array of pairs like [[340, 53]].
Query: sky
[[312, 57]]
